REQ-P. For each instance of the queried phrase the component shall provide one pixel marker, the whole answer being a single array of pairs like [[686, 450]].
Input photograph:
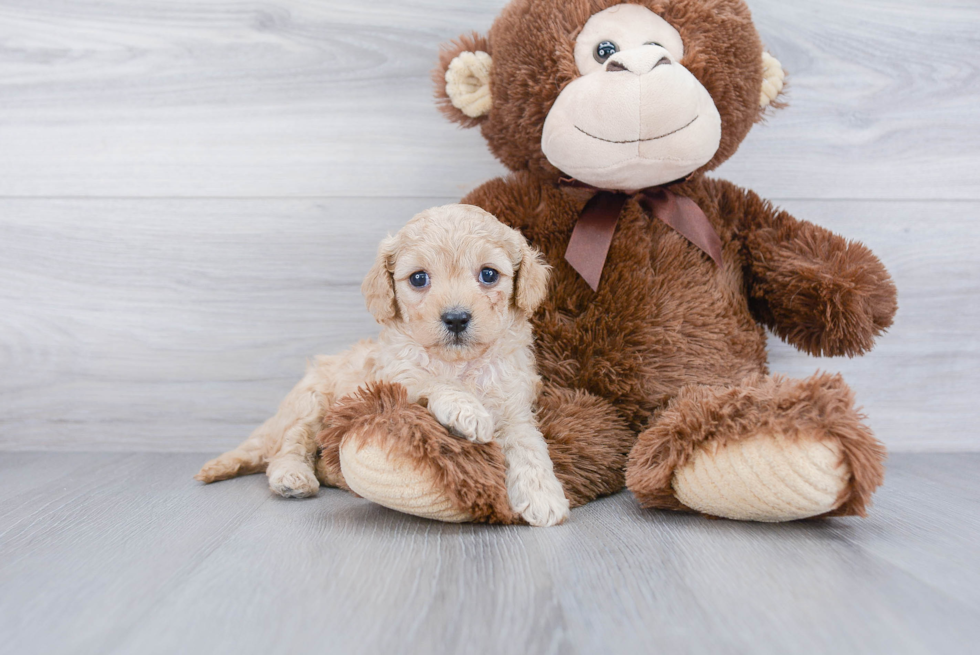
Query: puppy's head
[[455, 279]]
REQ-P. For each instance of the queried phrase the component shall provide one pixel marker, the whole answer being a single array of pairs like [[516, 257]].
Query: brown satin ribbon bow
[[593, 232]]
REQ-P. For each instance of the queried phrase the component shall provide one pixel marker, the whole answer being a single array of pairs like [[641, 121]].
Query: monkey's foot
[[396, 454], [397, 483], [768, 449], [765, 478]]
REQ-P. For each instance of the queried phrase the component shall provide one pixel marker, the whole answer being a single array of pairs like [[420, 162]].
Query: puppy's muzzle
[[457, 321]]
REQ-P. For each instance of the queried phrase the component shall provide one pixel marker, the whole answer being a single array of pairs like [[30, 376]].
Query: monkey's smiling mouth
[[653, 138]]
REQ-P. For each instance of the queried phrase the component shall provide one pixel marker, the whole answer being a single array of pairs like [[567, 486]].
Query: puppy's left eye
[[419, 279], [489, 276]]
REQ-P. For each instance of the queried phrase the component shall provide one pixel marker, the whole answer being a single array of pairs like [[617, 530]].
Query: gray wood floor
[[125, 553]]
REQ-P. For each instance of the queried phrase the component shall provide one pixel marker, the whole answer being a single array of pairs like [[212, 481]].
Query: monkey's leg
[[394, 453], [768, 449]]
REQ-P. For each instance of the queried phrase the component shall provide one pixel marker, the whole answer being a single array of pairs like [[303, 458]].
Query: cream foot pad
[[764, 478], [400, 486]]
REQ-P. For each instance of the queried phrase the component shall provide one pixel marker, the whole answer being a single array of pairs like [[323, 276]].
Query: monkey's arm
[[817, 291]]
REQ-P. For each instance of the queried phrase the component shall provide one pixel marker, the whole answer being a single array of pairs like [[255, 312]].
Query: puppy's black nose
[[456, 320]]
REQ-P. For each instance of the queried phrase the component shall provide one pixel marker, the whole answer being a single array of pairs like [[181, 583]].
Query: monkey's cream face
[[635, 117]]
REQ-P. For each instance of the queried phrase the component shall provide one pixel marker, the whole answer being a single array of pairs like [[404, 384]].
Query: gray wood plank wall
[[190, 193]]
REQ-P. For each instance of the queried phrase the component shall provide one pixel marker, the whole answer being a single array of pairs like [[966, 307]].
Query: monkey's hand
[[820, 292]]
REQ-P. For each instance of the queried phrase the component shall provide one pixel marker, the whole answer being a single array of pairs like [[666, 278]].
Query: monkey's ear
[[531, 281], [462, 80], [379, 285], [773, 81]]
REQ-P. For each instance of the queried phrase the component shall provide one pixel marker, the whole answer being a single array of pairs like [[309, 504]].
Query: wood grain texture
[[154, 98], [177, 325], [173, 325], [127, 554]]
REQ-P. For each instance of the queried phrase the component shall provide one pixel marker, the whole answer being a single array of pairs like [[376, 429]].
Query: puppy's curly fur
[[476, 377]]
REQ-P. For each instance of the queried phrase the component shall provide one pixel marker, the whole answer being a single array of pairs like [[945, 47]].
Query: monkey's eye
[[604, 51], [419, 279], [489, 276]]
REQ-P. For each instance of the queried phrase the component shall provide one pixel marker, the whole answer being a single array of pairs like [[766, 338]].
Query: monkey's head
[[617, 95]]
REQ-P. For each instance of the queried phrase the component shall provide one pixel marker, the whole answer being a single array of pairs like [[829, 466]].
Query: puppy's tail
[[248, 458]]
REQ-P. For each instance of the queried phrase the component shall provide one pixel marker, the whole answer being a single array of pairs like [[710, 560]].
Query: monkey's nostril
[[456, 320], [615, 66]]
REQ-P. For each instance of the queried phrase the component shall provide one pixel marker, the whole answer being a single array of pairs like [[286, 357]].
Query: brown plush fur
[[588, 442], [671, 344], [336, 425], [817, 291]]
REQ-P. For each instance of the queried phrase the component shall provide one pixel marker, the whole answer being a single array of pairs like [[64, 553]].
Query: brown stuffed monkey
[[652, 342]]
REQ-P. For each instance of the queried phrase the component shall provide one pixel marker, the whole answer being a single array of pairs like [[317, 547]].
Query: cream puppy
[[453, 291]]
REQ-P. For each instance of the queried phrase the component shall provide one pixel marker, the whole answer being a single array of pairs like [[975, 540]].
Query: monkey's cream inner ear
[[468, 83], [773, 77]]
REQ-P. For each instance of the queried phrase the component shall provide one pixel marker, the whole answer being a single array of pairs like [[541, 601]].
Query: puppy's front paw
[[539, 500], [467, 417], [292, 480]]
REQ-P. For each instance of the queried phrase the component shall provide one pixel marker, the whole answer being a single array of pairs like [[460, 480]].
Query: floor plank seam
[[176, 585]]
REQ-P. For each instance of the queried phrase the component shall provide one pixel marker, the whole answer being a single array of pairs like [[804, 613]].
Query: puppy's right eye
[[419, 279], [489, 276]]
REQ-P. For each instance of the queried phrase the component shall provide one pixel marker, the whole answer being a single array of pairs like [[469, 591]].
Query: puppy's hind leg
[[250, 457], [283, 446]]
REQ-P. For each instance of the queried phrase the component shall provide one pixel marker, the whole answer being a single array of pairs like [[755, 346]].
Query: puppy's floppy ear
[[379, 285], [462, 80], [531, 279]]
